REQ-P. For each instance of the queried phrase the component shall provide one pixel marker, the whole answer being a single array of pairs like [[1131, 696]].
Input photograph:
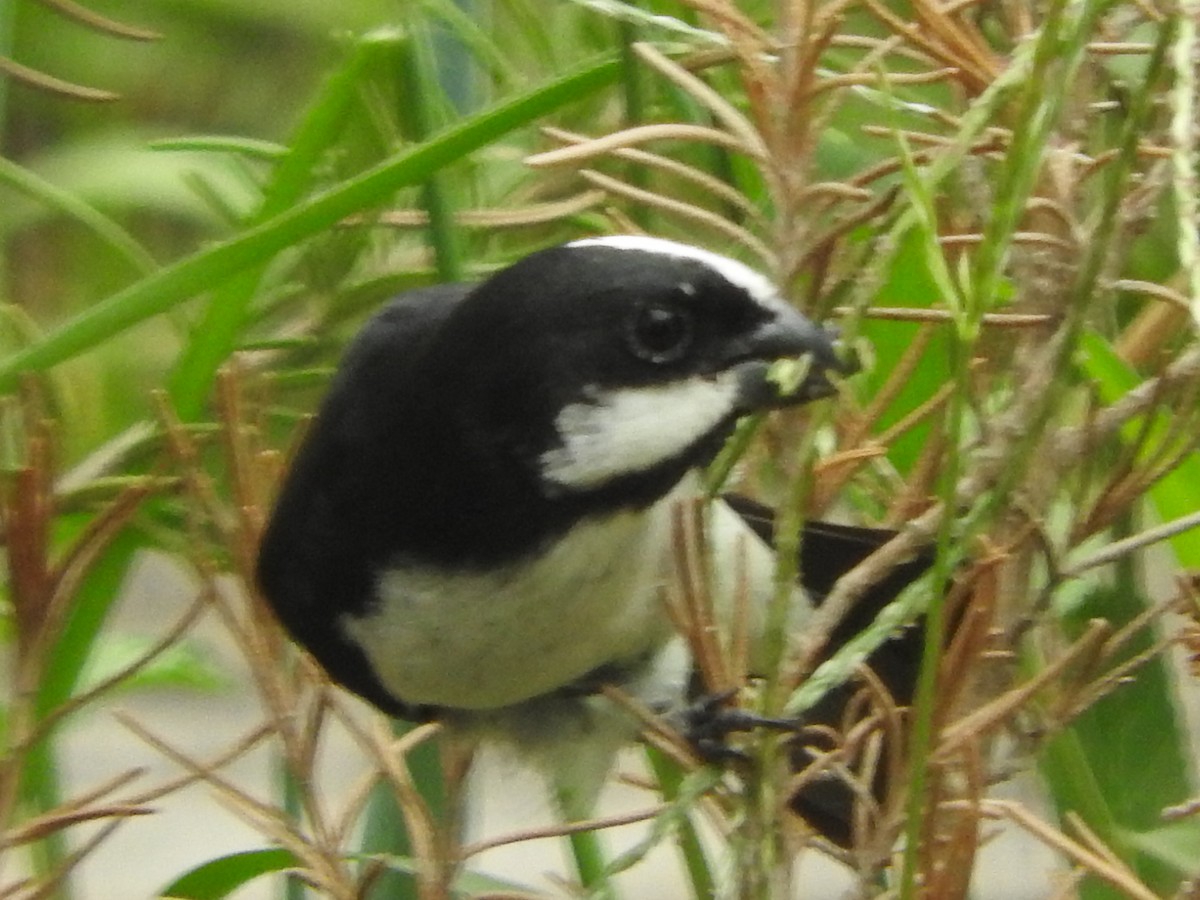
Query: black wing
[[828, 552], [321, 547]]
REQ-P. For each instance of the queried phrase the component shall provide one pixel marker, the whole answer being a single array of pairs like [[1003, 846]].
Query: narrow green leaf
[[1178, 492], [40, 785], [385, 830], [1129, 755], [418, 73], [120, 240], [1176, 845], [209, 268], [222, 876], [215, 336], [252, 148]]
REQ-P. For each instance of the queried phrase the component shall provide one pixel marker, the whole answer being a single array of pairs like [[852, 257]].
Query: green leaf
[[1178, 492], [90, 606], [251, 148], [68, 204], [222, 876], [215, 336], [212, 267], [182, 665], [1127, 757], [1176, 845]]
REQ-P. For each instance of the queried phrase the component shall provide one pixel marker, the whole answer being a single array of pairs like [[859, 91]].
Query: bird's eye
[[659, 332]]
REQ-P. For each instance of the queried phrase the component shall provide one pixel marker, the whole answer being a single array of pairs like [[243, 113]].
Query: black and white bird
[[477, 526]]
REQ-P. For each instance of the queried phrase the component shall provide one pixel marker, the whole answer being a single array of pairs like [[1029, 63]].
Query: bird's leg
[[708, 721]]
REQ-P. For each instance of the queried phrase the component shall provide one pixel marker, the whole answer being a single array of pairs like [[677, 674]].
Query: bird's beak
[[787, 361]]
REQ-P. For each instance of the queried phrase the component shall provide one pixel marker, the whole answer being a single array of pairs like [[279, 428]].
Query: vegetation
[[996, 202]]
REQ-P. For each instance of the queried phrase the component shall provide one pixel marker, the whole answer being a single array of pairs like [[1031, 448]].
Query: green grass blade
[[249, 148], [40, 784], [116, 237], [1128, 757], [203, 271], [1177, 493], [220, 877], [216, 335], [418, 73]]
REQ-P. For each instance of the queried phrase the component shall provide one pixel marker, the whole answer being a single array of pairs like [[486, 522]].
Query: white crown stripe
[[755, 284]]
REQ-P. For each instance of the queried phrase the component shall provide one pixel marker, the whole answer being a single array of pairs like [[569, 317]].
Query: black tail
[[828, 552]]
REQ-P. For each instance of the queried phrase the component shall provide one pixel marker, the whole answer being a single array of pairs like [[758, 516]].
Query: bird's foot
[[708, 722]]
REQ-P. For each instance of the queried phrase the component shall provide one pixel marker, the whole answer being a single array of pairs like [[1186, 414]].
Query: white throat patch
[[755, 284], [631, 430]]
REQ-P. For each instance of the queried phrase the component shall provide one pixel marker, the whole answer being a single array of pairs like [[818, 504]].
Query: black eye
[[659, 332]]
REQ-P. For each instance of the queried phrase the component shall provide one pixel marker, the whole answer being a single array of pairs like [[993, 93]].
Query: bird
[[477, 526]]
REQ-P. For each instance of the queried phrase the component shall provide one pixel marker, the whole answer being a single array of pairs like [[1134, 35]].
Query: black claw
[[708, 722]]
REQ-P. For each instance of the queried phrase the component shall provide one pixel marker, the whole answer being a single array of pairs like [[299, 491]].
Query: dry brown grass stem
[[686, 211], [880, 48], [507, 217], [735, 24], [169, 639], [945, 316], [323, 864], [1000, 711], [1072, 442], [917, 535], [1120, 48], [834, 190], [691, 604], [428, 840], [534, 834], [1182, 810], [656, 730], [958, 54], [853, 79], [1154, 290], [1130, 545], [41, 827], [632, 136], [1104, 867], [722, 110], [1019, 238], [936, 403], [897, 378], [720, 190], [872, 174]]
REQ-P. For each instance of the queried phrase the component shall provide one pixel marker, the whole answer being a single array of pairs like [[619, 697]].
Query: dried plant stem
[[719, 189], [685, 211], [637, 135], [1127, 546], [1103, 867]]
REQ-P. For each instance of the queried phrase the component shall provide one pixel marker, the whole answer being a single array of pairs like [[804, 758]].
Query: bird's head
[[619, 363]]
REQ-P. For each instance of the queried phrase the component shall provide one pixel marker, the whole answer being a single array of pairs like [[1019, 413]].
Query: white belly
[[488, 640], [499, 638]]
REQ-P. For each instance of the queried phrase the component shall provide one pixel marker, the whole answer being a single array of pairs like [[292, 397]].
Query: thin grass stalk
[[1029, 428], [1185, 113], [695, 861], [762, 863], [136, 257], [419, 77], [924, 701]]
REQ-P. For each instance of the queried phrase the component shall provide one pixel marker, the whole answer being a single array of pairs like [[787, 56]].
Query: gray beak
[[787, 361]]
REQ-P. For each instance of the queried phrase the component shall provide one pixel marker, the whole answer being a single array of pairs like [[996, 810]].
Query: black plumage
[[476, 522]]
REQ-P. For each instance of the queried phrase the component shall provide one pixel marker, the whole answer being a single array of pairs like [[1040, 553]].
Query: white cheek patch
[[631, 430], [755, 284]]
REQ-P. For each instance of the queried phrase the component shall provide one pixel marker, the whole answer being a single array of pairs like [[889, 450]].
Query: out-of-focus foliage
[[996, 202]]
